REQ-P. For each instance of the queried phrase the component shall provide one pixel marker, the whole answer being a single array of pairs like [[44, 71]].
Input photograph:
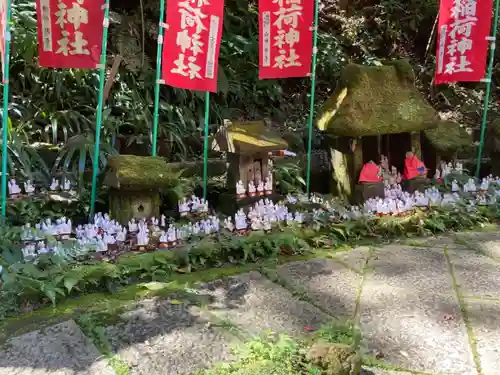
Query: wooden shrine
[[248, 146]]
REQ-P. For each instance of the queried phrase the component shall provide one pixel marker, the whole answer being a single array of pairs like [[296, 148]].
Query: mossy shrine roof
[[374, 100], [448, 136], [131, 172], [249, 137]]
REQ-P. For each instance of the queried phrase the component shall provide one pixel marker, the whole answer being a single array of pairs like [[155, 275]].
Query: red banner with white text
[[462, 47], [191, 44], [285, 38], [70, 33], [3, 25]]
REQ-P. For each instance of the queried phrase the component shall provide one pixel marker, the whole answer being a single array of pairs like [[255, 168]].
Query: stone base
[[365, 191], [417, 183]]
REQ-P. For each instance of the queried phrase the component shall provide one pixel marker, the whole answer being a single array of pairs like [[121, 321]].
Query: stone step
[[61, 349], [409, 312], [166, 337]]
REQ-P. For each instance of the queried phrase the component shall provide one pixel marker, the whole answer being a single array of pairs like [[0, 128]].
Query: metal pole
[[159, 51], [313, 93], [5, 114], [488, 88], [100, 103], [205, 145]]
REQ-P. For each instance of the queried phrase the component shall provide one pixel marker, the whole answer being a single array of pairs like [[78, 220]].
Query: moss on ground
[[106, 307], [373, 100]]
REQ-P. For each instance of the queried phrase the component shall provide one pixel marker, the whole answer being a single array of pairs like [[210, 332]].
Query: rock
[[335, 359]]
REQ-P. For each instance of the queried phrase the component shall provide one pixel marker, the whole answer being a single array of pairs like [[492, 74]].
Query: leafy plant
[[78, 154], [289, 176]]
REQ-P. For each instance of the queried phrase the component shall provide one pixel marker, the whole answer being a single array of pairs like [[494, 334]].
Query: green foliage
[[275, 354], [271, 355], [337, 332], [55, 276], [289, 176]]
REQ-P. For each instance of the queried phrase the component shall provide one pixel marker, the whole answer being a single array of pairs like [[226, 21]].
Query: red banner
[[192, 42], [463, 28], [285, 38], [3, 25], [70, 33]]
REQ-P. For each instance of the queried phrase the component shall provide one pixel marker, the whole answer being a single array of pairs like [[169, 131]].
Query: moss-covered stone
[[373, 100], [127, 205], [335, 359], [448, 137], [131, 172]]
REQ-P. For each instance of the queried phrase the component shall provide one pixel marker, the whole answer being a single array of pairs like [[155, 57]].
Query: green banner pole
[[159, 50], [5, 115], [489, 74], [100, 104], [313, 94], [205, 144]]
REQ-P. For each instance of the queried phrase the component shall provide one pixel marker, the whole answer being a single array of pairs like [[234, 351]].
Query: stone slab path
[[425, 306]]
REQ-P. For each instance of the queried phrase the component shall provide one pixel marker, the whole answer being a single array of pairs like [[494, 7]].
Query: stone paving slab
[[62, 349], [487, 242], [165, 337], [380, 371], [256, 305], [409, 312], [484, 319], [448, 241], [415, 268], [355, 259], [331, 285], [476, 274]]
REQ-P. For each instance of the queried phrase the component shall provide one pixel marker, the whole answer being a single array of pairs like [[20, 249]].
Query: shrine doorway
[[371, 149], [395, 147]]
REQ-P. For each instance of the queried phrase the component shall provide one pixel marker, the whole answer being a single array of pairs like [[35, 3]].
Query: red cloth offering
[[413, 168], [370, 173]]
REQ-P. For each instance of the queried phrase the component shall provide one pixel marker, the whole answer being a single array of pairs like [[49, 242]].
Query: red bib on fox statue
[[370, 173], [413, 167]]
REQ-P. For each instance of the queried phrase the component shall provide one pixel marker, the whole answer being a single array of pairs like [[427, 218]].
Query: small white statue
[[240, 190], [260, 188], [29, 188], [268, 186], [266, 225], [299, 217], [163, 220], [256, 224], [484, 184], [54, 185], [14, 189], [240, 220], [203, 206], [122, 235], [228, 224], [171, 235], [163, 237], [195, 204], [196, 229], [66, 185], [183, 207], [251, 189], [454, 186], [142, 237], [215, 224], [132, 226]]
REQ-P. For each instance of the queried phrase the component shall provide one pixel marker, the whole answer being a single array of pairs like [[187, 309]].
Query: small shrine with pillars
[[249, 146]]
